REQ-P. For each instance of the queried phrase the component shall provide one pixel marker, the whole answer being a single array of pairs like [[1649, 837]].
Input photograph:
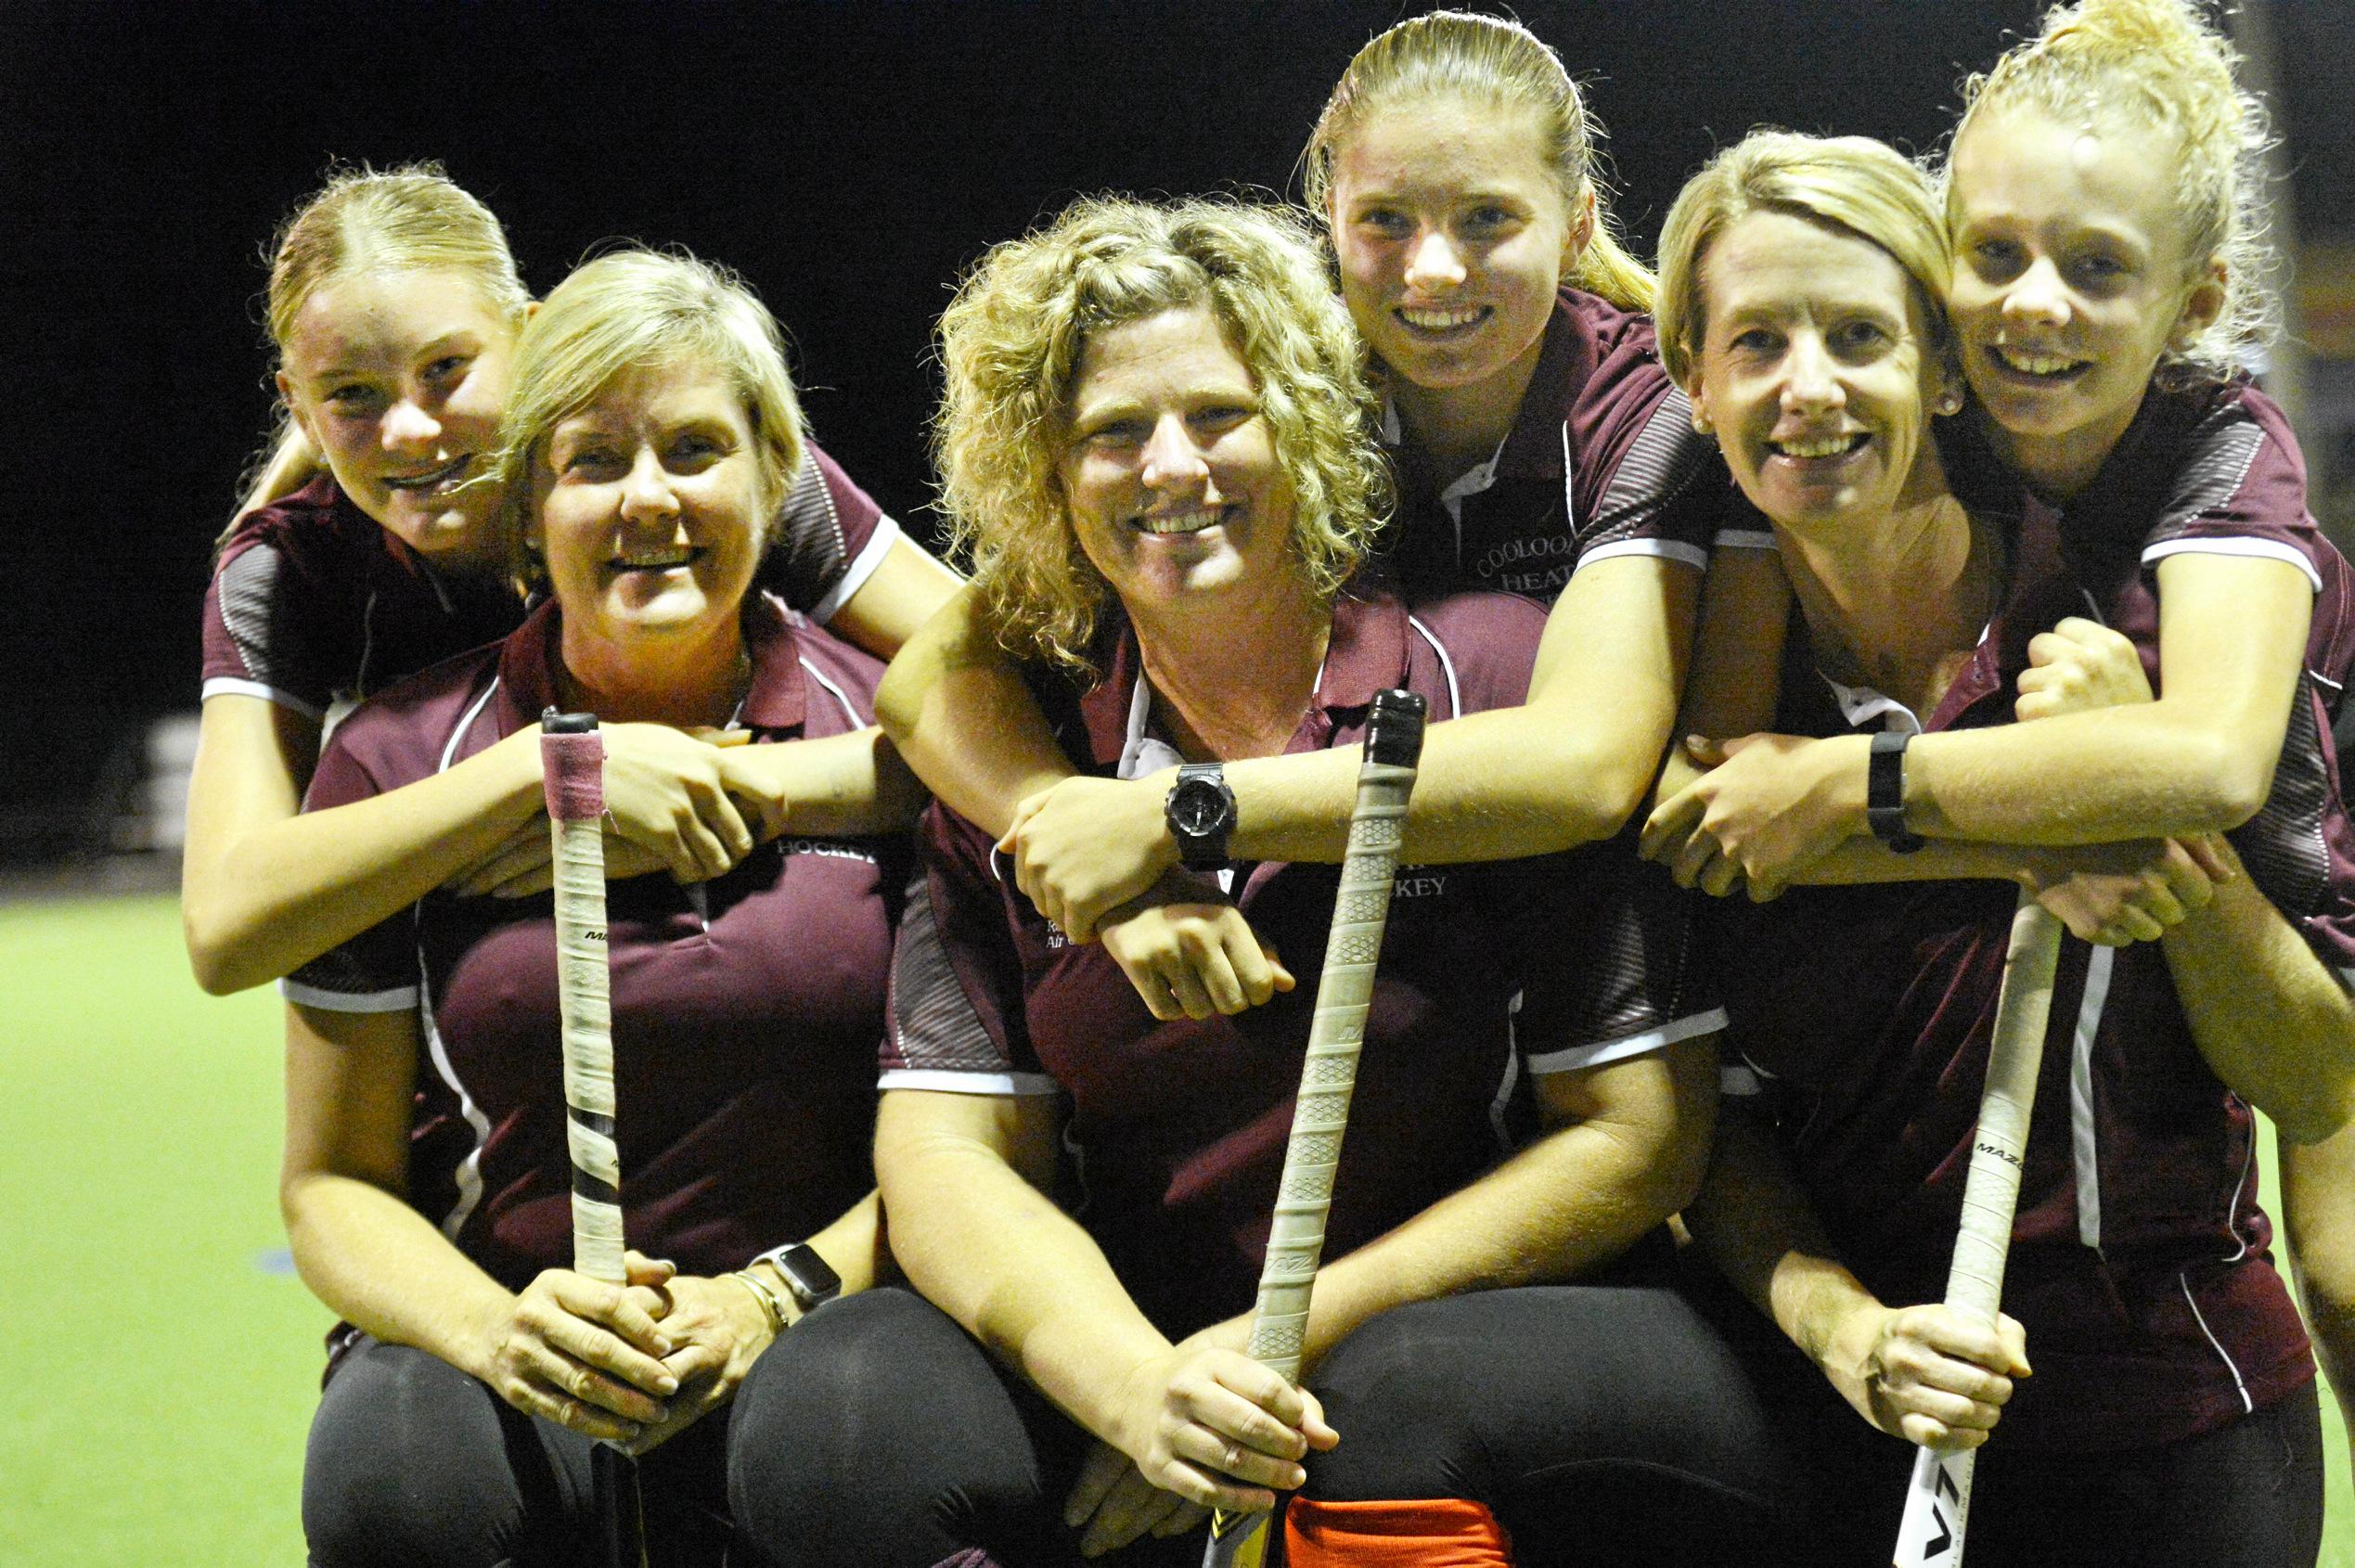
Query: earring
[[1949, 402]]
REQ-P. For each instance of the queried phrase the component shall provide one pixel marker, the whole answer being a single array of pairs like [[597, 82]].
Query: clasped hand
[[1927, 1373], [633, 1365], [673, 803], [1204, 1426]]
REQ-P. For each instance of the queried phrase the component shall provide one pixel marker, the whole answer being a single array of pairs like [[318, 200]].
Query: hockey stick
[[1362, 908], [1937, 1504], [573, 774]]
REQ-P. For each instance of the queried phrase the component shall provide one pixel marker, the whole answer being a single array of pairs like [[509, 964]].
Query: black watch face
[[1196, 809]]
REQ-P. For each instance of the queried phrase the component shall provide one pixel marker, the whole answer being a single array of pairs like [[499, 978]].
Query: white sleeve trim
[[1746, 538], [231, 686], [1673, 549], [862, 566], [1573, 1059], [395, 1000], [2203, 545], [947, 1081]]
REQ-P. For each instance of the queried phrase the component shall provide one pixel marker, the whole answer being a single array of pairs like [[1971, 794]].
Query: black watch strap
[[1884, 791], [809, 1277], [1201, 814]]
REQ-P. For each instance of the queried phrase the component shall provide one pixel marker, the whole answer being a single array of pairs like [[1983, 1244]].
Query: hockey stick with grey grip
[[1937, 1504], [1328, 1073], [573, 774]]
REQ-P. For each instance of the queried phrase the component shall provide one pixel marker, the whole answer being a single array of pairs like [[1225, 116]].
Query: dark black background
[[849, 157]]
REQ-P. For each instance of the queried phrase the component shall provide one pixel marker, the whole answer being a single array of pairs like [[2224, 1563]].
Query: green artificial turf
[[161, 1378]]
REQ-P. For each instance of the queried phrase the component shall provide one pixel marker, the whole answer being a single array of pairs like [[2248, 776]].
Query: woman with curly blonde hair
[[1538, 448], [1152, 444]]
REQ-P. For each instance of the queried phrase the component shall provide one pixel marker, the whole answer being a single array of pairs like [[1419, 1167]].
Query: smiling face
[[2070, 279], [1816, 370], [648, 512], [397, 379], [1452, 236], [1168, 468]]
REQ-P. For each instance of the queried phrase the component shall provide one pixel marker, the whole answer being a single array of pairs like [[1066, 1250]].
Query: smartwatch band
[[1884, 792], [809, 1277]]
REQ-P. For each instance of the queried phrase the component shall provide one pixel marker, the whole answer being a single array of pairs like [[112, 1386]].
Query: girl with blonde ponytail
[[1538, 448], [366, 548], [2090, 391]]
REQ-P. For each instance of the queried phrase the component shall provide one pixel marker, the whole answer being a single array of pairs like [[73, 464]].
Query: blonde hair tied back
[[412, 217], [1010, 343], [1495, 61], [2161, 64], [632, 310], [1854, 184]]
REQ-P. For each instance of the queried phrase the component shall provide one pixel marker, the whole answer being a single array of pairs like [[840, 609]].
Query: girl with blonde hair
[[1538, 449], [366, 549], [650, 432]]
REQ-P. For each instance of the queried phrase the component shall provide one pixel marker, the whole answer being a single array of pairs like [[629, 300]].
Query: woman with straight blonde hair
[[2105, 199], [1537, 448], [650, 432], [2169, 1416], [367, 550]]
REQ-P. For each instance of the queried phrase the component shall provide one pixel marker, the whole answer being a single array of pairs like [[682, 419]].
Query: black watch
[[1201, 813], [1884, 792], [810, 1278]]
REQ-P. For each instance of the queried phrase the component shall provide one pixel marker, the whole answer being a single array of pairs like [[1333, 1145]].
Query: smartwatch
[[810, 1278], [1201, 813], [1884, 792]]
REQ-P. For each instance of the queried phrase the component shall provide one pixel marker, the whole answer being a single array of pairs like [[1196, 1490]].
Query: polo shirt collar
[[1539, 445], [779, 699], [1366, 652]]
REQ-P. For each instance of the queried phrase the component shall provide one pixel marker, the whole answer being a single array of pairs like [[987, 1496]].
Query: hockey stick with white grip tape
[[1937, 1504], [573, 774], [1328, 1073]]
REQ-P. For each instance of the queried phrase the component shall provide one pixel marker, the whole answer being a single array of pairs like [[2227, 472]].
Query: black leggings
[[412, 1464], [1588, 1419], [2246, 1496]]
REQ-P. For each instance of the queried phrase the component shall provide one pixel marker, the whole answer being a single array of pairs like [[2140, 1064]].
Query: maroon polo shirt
[[2138, 1262], [1602, 461], [312, 602], [1488, 974], [746, 1009]]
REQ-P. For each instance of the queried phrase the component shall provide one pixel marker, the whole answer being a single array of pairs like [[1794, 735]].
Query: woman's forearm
[[2318, 1219], [1755, 1226], [384, 1268], [960, 713], [994, 1252], [836, 786], [2273, 1023], [265, 889], [1565, 1206]]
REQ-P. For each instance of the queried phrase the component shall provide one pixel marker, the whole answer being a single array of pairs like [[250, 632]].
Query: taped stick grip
[[571, 772], [1329, 1072], [1937, 1503]]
